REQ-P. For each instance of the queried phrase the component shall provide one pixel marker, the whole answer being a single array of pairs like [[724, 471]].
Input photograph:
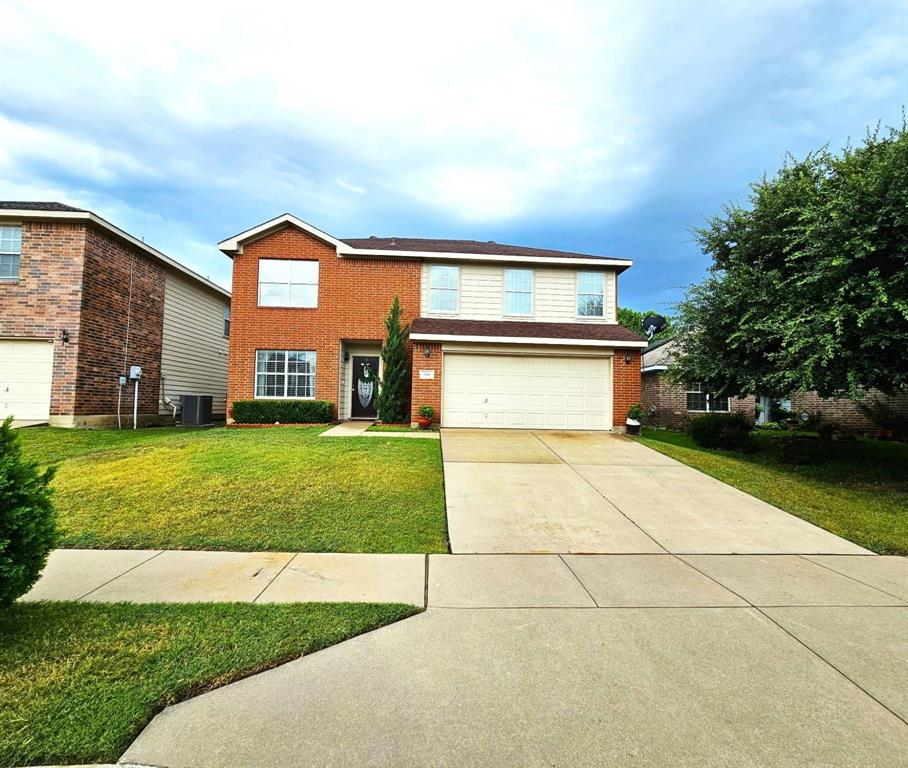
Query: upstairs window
[[288, 283], [518, 292], [701, 401], [284, 373], [590, 294], [10, 251], [226, 320], [444, 286]]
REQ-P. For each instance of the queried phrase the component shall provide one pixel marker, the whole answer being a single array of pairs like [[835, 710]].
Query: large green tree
[[808, 287], [633, 321], [391, 404]]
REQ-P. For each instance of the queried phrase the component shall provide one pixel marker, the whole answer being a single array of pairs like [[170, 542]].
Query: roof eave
[[546, 341], [593, 261], [93, 218]]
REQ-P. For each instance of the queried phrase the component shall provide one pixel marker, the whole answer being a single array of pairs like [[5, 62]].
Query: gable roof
[[421, 248], [658, 355], [39, 206], [59, 211]]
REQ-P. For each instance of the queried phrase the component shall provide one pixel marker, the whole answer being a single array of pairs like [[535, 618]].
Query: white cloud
[[490, 112], [481, 110]]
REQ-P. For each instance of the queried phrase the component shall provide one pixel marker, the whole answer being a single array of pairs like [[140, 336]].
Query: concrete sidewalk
[[172, 576], [359, 428], [586, 660]]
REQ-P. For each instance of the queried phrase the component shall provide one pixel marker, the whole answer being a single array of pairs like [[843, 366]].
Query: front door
[[365, 387]]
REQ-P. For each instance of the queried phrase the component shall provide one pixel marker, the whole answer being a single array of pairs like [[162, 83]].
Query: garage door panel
[[26, 372], [530, 392]]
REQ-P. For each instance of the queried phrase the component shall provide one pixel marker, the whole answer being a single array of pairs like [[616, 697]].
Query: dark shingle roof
[[460, 246], [14, 205], [591, 331]]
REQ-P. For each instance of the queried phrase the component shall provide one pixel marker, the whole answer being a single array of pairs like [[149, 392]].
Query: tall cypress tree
[[391, 403]]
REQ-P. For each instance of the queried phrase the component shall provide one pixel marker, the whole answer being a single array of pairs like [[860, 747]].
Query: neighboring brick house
[[500, 336], [670, 405], [80, 302]]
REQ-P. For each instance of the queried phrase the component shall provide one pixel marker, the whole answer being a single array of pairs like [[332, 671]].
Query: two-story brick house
[[501, 335], [81, 302]]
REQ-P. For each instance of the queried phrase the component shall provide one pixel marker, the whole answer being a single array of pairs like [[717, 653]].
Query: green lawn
[[282, 489], [79, 681], [862, 497]]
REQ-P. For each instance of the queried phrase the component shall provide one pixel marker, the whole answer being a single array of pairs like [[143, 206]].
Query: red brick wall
[[670, 402], [626, 377], [426, 391], [847, 412], [353, 297], [46, 299], [122, 325]]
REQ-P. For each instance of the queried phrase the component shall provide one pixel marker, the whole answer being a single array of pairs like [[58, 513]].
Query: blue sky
[[608, 128]]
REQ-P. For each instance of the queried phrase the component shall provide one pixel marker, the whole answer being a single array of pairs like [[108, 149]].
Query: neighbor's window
[[701, 401], [288, 283], [10, 250], [284, 373], [590, 294], [226, 320], [518, 291], [444, 284]]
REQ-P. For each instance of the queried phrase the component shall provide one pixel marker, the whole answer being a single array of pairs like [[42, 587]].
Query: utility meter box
[[135, 372]]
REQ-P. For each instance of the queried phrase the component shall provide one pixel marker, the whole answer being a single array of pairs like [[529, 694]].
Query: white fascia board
[[453, 256], [655, 368], [526, 340], [235, 244], [116, 231]]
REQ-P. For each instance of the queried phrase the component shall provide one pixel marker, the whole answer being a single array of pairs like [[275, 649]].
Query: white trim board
[[526, 340]]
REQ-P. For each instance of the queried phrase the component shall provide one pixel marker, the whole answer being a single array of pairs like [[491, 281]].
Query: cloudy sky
[[609, 128]]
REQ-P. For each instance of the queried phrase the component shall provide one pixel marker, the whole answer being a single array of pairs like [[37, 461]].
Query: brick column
[[426, 391]]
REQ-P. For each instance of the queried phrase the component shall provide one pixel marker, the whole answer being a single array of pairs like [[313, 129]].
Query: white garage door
[[531, 392], [26, 370]]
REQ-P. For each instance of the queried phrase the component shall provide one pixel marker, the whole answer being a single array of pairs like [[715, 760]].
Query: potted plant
[[634, 419], [426, 413]]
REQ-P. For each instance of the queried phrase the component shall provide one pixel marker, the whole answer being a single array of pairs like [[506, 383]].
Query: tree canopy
[[808, 289], [633, 321]]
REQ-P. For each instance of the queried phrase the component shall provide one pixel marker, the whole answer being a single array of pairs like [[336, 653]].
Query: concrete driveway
[[514, 491]]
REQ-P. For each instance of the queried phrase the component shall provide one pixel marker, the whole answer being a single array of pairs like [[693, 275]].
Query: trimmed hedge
[[283, 411], [729, 431]]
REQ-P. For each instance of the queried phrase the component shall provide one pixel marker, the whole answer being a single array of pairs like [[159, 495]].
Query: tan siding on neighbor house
[[194, 349], [554, 294]]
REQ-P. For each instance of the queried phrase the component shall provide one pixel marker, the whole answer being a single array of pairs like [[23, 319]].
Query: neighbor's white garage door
[[26, 370], [532, 392]]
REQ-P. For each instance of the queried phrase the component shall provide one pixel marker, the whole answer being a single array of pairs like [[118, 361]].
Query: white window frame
[[285, 374], [11, 250], [289, 283], [578, 294], [456, 290], [696, 388], [506, 291], [226, 321]]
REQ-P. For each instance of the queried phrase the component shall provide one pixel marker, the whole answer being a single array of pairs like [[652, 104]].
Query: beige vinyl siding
[[194, 349], [554, 294]]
